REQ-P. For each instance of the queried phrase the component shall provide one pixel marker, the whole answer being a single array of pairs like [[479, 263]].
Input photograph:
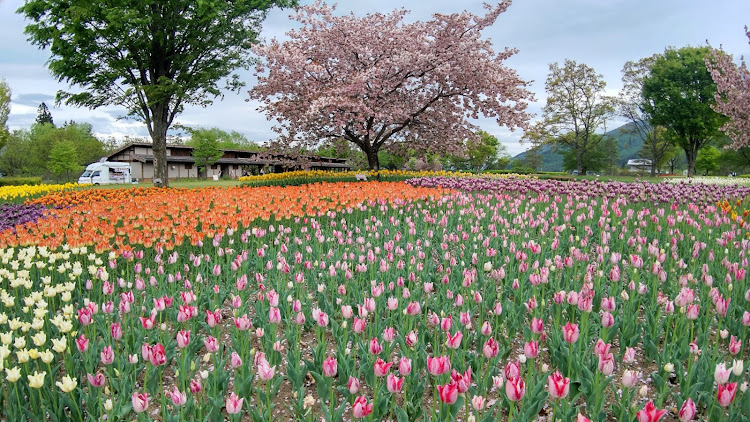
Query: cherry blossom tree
[[733, 95], [382, 83]]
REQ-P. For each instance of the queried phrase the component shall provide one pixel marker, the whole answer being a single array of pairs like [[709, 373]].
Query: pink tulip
[[735, 345], [394, 383], [234, 404], [478, 402], [178, 398], [454, 342], [352, 385], [330, 367], [85, 316], [650, 413], [629, 355], [381, 367], [491, 348], [462, 380], [360, 409], [446, 323], [404, 366], [212, 345], [97, 380], [389, 334], [512, 370], [601, 348], [558, 386], [411, 339], [486, 329], [570, 332], [582, 418], [692, 312], [82, 343], [107, 356], [438, 365], [148, 323], [515, 388], [235, 360], [359, 325], [607, 364], [115, 330], [195, 386], [531, 349], [630, 378], [274, 315], [687, 411], [158, 357], [140, 401], [607, 320], [537, 326], [721, 373], [375, 347], [725, 393], [448, 393], [213, 318], [265, 371], [183, 339]]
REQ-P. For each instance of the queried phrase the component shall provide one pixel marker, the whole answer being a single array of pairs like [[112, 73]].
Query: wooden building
[[233, 163]]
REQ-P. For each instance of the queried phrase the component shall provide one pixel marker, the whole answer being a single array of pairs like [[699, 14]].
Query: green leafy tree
[[43, 115], [151, 57], [603, 157], [483, 153], [62, 159], [708, 160], [679, 95], [533, 158], [4, 112], [206, 150], [16, 158], [577, 108], [632, 105]]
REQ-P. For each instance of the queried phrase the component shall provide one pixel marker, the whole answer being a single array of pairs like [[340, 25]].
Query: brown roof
[[315, 159]]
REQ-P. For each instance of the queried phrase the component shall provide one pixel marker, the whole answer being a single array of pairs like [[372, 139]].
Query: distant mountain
[[629, 144]]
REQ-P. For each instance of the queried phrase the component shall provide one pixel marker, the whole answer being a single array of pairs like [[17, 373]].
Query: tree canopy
[[4, 112], [732, 95], [679, 95], [379, 82], [576, 109], [151, 57], [43, 115]]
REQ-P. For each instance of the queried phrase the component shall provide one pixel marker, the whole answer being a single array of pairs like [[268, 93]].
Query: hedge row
[[18, 181]]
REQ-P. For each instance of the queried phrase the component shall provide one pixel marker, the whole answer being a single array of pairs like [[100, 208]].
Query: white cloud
[[602, 34]]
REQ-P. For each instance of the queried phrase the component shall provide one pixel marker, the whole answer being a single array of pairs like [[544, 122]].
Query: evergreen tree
[[43, 115]]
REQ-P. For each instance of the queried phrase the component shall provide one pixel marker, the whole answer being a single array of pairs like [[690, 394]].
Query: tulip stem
[[510, 411], [330, 403]]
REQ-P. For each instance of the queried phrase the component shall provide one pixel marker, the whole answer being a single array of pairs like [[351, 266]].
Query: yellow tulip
[[12, 374], [68, 384], [36, 380]]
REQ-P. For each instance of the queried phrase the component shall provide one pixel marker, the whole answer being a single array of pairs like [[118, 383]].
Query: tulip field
[[435, 299]]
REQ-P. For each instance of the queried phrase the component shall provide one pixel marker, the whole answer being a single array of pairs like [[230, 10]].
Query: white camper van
[[105, 173]]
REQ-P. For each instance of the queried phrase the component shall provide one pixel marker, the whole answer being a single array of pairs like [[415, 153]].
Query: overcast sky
[[603, 34]]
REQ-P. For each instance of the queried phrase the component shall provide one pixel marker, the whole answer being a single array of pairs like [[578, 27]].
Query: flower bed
[[381, 301]]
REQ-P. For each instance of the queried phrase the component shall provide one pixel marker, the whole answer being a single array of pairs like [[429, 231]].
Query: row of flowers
[[328, 174], [421, 307], [11, 193], [683, 193], [171, 217]]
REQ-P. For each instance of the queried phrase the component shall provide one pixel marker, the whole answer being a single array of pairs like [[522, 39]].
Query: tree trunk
[[691, 155], [373, 160], [579, 163], [159, 138]]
